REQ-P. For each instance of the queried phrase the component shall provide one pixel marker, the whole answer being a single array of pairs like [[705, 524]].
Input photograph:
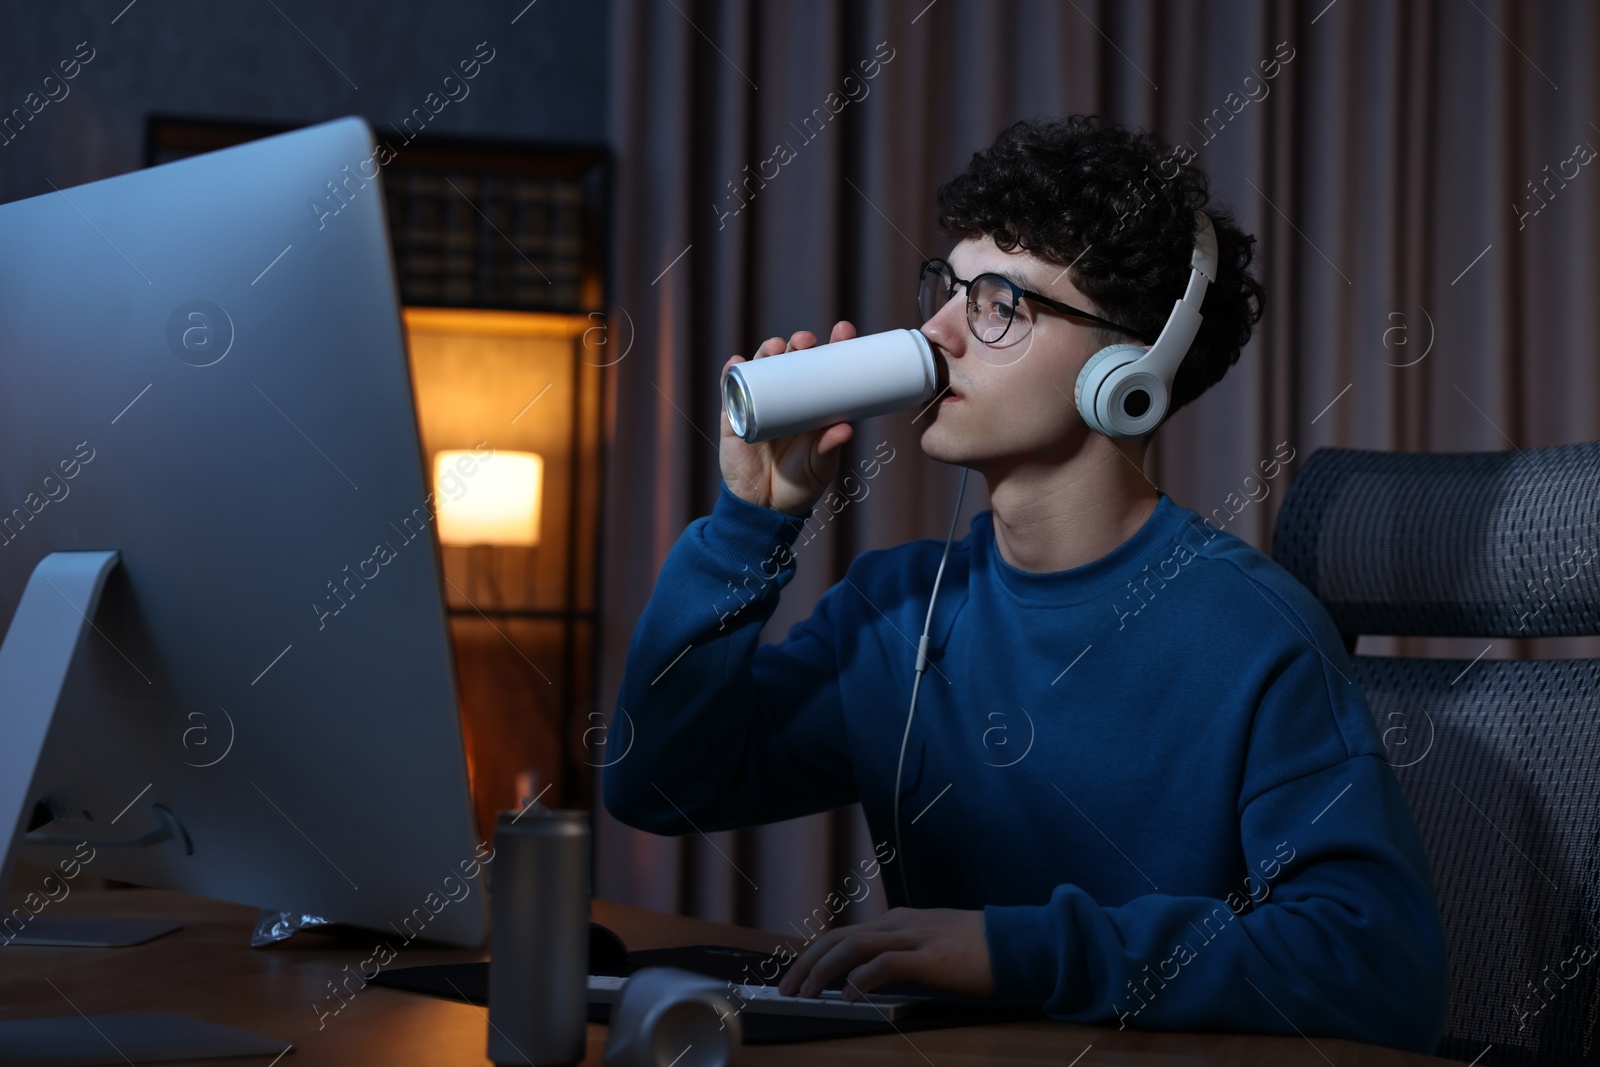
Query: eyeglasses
[[992, 303]]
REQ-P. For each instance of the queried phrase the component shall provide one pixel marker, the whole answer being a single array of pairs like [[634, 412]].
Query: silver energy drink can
[[793, 392], [539, 948]]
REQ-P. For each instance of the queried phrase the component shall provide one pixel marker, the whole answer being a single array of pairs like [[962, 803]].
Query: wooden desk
[[207, 970]]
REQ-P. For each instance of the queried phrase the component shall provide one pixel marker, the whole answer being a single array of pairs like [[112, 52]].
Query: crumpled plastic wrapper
[[274, 926]]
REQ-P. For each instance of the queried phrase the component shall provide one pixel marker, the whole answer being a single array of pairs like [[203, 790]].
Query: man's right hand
[[787, 473]]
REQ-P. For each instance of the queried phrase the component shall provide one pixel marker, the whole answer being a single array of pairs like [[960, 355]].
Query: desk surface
[[207, 970]]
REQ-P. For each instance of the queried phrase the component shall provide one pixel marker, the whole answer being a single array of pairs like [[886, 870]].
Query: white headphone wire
[[916, 684]]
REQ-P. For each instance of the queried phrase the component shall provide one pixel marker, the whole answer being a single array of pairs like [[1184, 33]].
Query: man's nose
[[947, 328]]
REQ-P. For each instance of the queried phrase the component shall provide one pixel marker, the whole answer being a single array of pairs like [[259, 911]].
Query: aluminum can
[[809, 388], [539, 947]]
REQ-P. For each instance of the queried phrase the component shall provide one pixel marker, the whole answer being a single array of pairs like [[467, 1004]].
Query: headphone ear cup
[[1093, 382]]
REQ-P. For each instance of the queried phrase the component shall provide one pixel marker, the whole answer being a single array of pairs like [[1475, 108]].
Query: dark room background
[[1427, 290]]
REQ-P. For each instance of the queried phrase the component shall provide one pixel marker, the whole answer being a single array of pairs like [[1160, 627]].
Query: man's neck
[[1056, 515]]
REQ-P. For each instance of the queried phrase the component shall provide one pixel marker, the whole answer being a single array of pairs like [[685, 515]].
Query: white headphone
[[1124, 390]]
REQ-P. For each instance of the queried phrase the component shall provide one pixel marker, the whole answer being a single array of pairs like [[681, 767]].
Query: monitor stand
[[50, 624]]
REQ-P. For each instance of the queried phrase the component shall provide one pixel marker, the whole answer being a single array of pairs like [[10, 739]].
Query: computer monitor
[[232, 673]]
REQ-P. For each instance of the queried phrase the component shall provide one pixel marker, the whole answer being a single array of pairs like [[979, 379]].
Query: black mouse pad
[[470, 982]]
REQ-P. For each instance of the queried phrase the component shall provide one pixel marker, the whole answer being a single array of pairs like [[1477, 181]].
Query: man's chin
[[942, 444]]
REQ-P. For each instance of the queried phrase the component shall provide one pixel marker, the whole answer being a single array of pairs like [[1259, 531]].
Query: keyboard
[[766, 1000]]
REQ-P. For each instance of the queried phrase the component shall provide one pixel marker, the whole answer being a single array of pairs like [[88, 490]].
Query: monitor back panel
[[202, 366]]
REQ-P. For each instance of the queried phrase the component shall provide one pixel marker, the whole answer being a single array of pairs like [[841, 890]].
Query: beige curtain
[[1422, 294]]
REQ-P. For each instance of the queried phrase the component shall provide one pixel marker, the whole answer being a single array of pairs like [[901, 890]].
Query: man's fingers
[[834, 437], [882, 969], [842, 331], [895, 922], [803, 963], [850, 951]]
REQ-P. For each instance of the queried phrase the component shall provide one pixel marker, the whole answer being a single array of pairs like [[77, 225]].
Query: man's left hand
[[940, 948]]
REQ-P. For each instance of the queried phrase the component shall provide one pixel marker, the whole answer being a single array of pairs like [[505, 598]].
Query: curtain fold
[[1384, 170]]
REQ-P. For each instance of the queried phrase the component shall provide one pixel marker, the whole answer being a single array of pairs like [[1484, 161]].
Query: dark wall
[[290, 61]]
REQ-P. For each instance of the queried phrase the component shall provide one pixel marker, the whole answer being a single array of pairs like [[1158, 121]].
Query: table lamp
[[485, 500], [488, 499]]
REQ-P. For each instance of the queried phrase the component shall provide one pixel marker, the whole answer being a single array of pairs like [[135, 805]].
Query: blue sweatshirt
[[1154, 773]]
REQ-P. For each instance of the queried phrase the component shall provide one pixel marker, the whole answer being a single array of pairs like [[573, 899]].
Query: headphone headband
[[1172, 344]]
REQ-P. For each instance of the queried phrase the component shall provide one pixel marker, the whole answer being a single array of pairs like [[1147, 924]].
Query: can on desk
[[539, 948]]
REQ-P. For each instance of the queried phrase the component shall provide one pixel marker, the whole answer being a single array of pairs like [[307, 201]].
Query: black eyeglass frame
[[1017, 293]]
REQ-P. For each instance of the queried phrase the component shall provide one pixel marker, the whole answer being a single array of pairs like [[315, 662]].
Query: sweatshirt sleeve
[[1335, 932], [715, 730]]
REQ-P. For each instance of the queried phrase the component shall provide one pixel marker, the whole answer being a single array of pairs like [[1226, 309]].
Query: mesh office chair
[[1498, 759]]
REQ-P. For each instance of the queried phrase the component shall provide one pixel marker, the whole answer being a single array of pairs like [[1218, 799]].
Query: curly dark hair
[[1118, 206]]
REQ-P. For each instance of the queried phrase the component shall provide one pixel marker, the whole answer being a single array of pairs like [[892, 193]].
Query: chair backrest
[[1498, 759]]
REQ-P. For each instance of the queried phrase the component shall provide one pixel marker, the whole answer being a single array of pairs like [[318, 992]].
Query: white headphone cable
[[922, 666]]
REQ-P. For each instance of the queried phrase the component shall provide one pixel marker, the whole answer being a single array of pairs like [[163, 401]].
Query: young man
[[1201, 832]]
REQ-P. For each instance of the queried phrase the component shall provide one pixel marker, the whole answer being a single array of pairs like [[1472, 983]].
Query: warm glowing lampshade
[[488, 497]]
